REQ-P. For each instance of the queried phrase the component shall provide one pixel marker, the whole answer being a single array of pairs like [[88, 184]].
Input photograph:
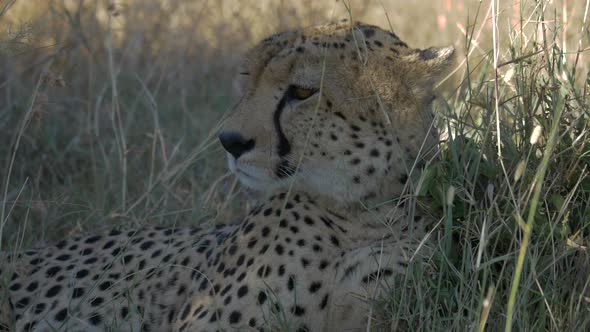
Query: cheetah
[[331, 121]]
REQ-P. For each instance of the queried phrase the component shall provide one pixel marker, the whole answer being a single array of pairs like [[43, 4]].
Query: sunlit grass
[[516, 159]]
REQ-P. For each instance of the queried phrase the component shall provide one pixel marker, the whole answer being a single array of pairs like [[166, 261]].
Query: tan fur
[[362, 71], [313, 258]]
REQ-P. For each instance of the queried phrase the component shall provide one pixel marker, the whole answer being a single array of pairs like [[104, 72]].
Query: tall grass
[[512, 186], [108, 112]]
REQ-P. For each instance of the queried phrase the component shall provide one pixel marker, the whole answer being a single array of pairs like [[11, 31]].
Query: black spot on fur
[[53, 291], [61, 315], [298, 310], [369, 33], [235, 317], [242, 291], [324, 302], [261, 297], [315, 286]]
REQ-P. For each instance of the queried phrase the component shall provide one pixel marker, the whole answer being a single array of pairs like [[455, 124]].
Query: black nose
[[235, 143]]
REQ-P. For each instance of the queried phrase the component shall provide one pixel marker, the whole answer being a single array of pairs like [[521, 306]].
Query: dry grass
[[108, 112]]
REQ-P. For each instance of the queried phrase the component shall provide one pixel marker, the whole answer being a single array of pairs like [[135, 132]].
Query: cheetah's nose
[[235, 143]]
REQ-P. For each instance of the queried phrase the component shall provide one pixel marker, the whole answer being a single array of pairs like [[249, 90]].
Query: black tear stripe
[[284, 146], [284, 168]]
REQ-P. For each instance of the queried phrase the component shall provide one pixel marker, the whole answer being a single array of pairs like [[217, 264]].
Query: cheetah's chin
[[252, 177], [255, 183]]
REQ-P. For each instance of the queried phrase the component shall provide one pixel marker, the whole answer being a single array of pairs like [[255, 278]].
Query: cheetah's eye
[[302, 93]]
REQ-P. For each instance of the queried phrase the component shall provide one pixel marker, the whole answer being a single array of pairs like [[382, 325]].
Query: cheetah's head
[[341, 110]]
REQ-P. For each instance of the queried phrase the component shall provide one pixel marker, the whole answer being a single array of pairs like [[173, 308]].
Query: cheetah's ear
[[436, 56], [436, 59], [427, 67]]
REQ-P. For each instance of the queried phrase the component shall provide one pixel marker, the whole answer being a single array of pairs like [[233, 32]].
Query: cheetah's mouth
[[251, 176]]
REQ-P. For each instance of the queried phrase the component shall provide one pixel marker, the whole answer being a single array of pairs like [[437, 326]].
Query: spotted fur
[[319, 246]]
